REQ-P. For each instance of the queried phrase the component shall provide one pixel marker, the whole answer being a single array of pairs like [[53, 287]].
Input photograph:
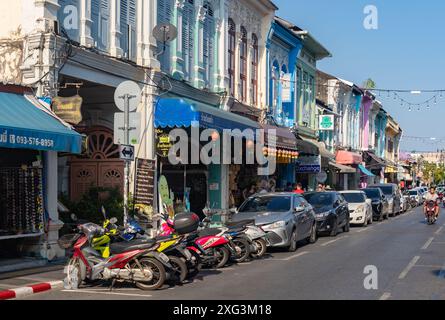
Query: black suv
[[392, 194]]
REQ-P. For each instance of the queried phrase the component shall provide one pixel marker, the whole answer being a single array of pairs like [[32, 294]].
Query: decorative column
[[236, 75], [218, 76], [150, 46], [85, 23], [176, 46], [115, 34], [249, 69]]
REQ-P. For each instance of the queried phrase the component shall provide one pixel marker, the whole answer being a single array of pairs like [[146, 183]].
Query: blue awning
[[366, 171], [174, 112], [27, 126]]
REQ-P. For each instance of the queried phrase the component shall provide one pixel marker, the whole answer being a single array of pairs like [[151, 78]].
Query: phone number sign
[[24, 140]]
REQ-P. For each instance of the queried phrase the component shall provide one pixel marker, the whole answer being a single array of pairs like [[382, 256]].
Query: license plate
[[163, 257]]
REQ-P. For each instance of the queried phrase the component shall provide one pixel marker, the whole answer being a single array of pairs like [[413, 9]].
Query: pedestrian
[[321, 187], [263, 187], [299, 189], [249, 191]]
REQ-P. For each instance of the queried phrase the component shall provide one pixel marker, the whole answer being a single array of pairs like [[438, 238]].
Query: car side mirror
[[73, 217], [233, 210], [299, 209]]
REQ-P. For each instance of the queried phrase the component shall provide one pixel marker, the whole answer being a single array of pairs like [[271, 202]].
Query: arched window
[[165, 15], [231, 56], [255, 60], [243, 65], [208, 44], [188, 27]]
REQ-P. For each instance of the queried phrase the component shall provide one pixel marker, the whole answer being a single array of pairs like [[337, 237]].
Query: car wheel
[[371, 220], [347, 227], [365, 224], [314, 235], [334, 230], [293, 242]]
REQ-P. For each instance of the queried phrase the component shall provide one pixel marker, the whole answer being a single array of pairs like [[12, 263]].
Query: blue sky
[[406, 52]]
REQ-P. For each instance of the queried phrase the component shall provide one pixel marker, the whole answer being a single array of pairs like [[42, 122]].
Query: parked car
[[360, 207], [380, 205], [331, 211], [391, 191], [404, 203], [287, 218]]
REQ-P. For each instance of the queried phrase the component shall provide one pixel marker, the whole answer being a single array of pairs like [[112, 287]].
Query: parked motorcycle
[[136, 262]]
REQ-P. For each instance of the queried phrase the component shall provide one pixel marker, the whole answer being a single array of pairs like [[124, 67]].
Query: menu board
[[144, 182]]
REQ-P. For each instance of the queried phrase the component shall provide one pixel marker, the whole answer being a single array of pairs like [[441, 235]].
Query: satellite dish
[[133, 90], [165, 32]]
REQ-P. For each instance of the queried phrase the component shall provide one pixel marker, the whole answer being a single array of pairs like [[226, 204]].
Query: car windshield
[[320, 199], [386, 189], [354, 197], [372, 193], [266, 204]]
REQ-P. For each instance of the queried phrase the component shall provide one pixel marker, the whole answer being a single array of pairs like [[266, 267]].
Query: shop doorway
[[100, 167]]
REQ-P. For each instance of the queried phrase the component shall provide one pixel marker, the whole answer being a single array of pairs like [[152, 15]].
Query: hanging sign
[[309, 164], [286, 94], [144, 182], [326, 122], [68, 108], [163, 143]]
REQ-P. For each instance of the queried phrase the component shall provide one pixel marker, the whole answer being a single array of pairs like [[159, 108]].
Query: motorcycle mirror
[[104, 213], [73, 217], [113, 220]]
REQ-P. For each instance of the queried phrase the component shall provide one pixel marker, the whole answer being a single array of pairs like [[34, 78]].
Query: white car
[[360, 207]]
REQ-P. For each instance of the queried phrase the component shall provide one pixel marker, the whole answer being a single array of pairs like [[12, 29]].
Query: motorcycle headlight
[[278, 224]]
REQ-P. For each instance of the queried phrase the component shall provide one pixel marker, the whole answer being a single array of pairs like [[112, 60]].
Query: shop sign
[[309, 164], [68, 108], [163, 143], [326, 122], [286, 94], [144, 182]]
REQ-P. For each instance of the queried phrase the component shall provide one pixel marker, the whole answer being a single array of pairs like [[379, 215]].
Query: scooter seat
[[209, 232], [236, 230], [119, 247]]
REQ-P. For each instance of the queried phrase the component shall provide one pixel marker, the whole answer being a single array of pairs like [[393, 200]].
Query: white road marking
[[363, 230], [409, 267], [333, 241], [385, 296], [295, 256], [438, 230], [427, 244], [109, 293]]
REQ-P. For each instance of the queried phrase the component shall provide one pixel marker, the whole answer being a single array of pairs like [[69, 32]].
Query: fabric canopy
[[342, 168], [308, 146], [285, 139], [26, 125], [175, 112], [365, 171], [347, 157]]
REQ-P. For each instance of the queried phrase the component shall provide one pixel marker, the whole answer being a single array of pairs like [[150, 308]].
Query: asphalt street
[[409, 257]]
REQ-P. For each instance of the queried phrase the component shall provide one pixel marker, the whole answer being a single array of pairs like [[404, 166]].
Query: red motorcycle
[[431, 212], [136, 261], [212, 245]]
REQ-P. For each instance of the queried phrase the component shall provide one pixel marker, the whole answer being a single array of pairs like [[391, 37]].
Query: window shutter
[[165, 15], [95, 12], [132, 29], [208, 45], [73, 33], [124, 27], [187, 37], [105, 25]]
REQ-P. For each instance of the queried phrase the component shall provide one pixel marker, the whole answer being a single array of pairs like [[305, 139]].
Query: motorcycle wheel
[[194, 268], [179, 272], [158, 272], [73, 277], [262, 248], [244, 246], [222, 256]]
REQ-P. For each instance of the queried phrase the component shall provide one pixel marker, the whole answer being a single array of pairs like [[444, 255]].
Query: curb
[[29, 290]]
